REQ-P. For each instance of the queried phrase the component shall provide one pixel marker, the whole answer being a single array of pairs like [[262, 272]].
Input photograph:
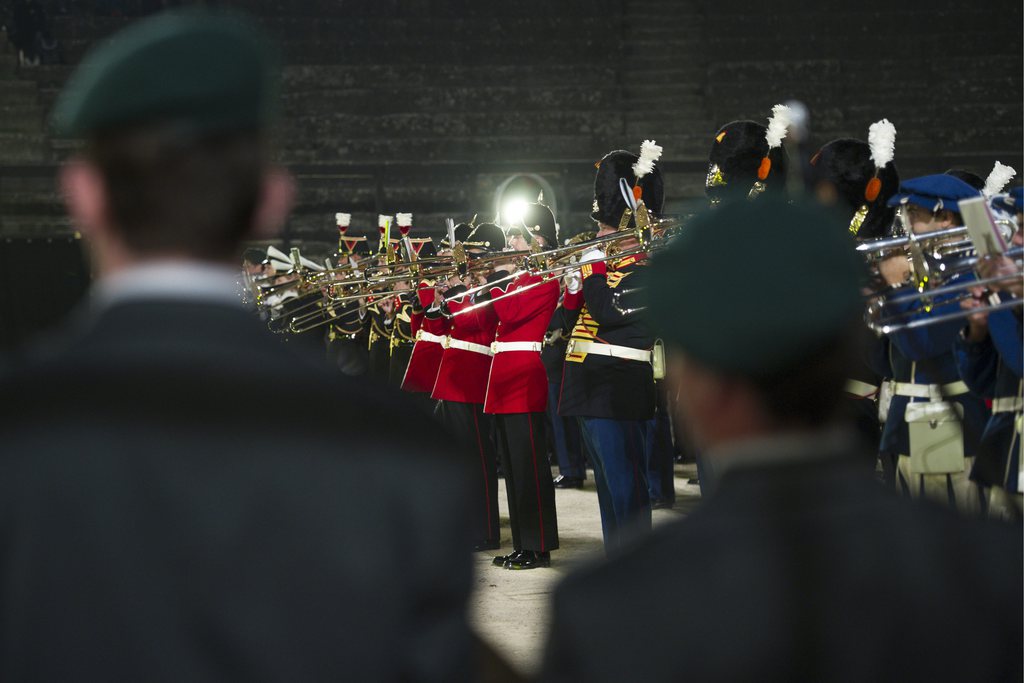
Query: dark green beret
[[748, 288], [202, 71]]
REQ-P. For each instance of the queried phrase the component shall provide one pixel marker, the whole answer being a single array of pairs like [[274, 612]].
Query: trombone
[[543, 274], [943, 296], [661, 232]]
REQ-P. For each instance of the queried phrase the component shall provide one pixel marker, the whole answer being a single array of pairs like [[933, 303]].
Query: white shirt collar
[[170, 279]]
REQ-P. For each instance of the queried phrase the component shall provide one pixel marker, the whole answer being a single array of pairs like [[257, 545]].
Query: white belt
[[1007, 404], [598, 349], [427, 336], [498, 347], [452, 343], [861, 389], [932, 392]]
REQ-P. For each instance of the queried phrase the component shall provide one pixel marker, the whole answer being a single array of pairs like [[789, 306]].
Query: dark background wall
[[427, 105]]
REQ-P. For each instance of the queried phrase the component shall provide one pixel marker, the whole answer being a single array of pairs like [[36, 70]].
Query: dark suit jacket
[[183, 499], [799, 573]]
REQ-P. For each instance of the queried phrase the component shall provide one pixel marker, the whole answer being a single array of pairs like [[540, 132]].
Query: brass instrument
[[943, 295], [556, 271], [370, 283]]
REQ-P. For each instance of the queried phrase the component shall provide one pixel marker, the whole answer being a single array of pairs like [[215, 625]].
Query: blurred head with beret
[[174, 112], [755, 302]]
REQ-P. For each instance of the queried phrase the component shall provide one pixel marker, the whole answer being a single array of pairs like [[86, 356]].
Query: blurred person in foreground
[[155, 522], [798, 566]]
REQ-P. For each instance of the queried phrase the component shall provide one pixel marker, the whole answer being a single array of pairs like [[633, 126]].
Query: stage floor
[[509, 609]]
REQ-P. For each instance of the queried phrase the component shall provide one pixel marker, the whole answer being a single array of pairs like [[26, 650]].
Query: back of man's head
[[757, 302], [174, 111]]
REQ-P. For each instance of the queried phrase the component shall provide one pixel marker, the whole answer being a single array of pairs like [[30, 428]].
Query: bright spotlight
[[513, 210]]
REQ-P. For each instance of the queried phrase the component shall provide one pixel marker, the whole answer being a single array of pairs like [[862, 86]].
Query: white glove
[[592, 255], [573, 281]]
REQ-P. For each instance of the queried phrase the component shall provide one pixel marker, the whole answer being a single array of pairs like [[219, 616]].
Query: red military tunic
[[462, 376], [518, 382], [429, 328]]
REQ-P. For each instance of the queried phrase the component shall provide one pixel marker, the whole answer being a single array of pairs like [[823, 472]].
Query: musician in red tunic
[[517, 394], [430, 328], [462, 382]]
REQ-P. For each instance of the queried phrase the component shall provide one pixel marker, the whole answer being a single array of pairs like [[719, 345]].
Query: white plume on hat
[[343, 219], [383, 220], [312, 265], [275, 253], [1000, 176], [650, 152], [778, 125], [403, 219], [449, 224], [882, 142]]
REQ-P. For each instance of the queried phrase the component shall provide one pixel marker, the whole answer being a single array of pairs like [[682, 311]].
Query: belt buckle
[[494, 347], [419, 335], [447, 343], [571, 346]]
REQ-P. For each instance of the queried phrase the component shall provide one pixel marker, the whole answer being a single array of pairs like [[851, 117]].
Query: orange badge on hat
[[873, 188]]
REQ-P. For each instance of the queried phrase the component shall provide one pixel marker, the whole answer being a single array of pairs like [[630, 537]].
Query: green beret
[[748, 288], [201, 71]]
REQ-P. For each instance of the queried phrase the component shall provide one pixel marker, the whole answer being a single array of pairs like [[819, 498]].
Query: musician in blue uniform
[[990, 358], [933, 422]]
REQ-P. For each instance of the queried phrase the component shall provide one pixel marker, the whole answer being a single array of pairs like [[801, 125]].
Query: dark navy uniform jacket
[[925, 356], [992, 369], [776, 578], [602, 386]]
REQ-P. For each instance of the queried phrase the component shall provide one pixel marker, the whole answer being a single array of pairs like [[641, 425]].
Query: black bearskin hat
[[847, 165], [423, 246], [539, 220], [735, 159], [462, 231], [609, 204], [972, 179], [354, 245], [486, 236]]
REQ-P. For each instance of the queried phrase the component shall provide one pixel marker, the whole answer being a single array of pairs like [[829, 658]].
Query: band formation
[[510, 335]]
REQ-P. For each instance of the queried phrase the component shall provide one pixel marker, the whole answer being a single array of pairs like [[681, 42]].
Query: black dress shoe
[[486, 545], [528, 559], [500, 560], [564, 482]]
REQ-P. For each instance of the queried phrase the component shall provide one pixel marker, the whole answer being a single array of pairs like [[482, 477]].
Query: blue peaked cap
[[934, 192], [1012, 202]]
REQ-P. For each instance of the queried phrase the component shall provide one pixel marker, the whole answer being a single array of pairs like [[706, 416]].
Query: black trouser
[[468, 422], [531, 495], [400, 356], [349, 355]]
